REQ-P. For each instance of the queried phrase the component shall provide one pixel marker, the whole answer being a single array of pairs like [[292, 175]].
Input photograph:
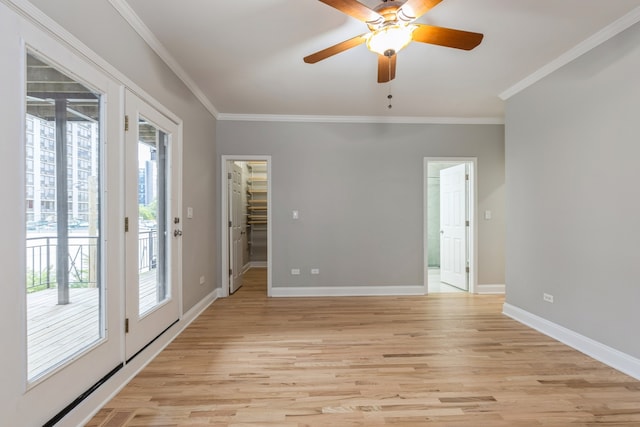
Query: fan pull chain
[[389, 97]]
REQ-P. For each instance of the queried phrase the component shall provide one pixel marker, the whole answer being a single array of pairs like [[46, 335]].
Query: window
[[64, 292]]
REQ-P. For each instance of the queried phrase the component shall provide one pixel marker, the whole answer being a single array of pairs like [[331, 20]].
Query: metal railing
[[83, 260], [147, 250]]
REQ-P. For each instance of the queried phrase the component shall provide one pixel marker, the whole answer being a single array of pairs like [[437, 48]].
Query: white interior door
[[453, 226], [152, 224], [235, 230]]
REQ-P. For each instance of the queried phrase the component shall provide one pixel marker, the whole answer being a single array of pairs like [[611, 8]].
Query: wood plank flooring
[[440, 360]]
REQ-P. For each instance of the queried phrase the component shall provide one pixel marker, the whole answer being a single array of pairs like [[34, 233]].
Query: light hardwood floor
[[439, 360]]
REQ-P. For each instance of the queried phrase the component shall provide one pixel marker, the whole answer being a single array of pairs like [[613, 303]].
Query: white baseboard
[[610, 356], [83, 413], [258, 264], [246, 267], [346, 291], [490, 289]]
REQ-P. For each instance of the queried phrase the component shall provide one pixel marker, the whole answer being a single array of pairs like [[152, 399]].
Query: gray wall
[[111, 37], [359, 191], [572, 150]]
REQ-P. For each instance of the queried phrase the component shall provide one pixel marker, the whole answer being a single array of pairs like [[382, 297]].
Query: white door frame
[[473, 218], [147, 327], [224, 205]]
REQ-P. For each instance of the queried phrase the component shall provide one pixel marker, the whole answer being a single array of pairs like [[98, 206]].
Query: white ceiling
[[245, 56]]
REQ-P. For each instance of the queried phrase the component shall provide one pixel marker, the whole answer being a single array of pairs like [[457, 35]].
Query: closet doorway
[[449, 189], [246, 219]]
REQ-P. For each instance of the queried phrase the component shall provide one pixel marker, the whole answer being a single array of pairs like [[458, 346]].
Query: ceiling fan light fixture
[[389, 39]]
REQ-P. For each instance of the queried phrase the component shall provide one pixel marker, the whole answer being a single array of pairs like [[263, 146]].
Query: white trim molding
[[125, 10], [496, 289], [360, 119], [595, 40], [34, 15], [603, 353], [346, 291]]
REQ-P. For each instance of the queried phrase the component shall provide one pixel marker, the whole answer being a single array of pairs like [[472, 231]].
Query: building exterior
[[82, 149]]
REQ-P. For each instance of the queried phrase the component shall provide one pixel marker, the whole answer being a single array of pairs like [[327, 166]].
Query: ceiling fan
[[392, 27]]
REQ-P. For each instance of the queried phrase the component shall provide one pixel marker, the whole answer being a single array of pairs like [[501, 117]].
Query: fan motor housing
[[389, 11]]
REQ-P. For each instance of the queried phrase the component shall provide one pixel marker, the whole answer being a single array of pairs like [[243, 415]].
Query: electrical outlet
[[295, 271], [315, 271], [547, 297]]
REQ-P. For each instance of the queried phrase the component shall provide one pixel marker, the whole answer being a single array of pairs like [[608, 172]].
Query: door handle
[[177, 233]]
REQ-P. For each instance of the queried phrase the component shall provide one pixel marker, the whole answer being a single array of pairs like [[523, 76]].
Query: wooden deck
[[57, 332]]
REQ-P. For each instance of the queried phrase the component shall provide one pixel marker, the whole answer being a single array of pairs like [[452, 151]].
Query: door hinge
[[126, 123], [230, 224], [126, 224], [230, 272], [467, 223], [229, 176], [467, 269], [466, 177], [126, 326]]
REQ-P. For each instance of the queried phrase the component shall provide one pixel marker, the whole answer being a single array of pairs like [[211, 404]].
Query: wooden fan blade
[[355, 9], [447, 37], [386, 68], [335, 49], [414, 9]]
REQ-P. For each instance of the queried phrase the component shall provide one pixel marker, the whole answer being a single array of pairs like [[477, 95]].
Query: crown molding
[[125, 10], [360, 119], [585, 46]]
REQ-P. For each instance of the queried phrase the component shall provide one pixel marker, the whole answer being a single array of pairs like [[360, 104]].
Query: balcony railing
[[83, 260]]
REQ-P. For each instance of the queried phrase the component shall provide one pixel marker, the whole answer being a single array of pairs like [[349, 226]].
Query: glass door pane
[[152, 237], [152, 218], [62, 197]]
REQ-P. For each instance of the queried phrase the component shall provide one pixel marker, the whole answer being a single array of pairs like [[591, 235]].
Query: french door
[[153, 227]]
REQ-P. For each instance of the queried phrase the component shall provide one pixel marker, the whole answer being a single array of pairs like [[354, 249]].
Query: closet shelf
[[256, 188]]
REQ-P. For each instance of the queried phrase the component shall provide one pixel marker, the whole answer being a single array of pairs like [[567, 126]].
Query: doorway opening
[[246, 221], [449, 224]]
